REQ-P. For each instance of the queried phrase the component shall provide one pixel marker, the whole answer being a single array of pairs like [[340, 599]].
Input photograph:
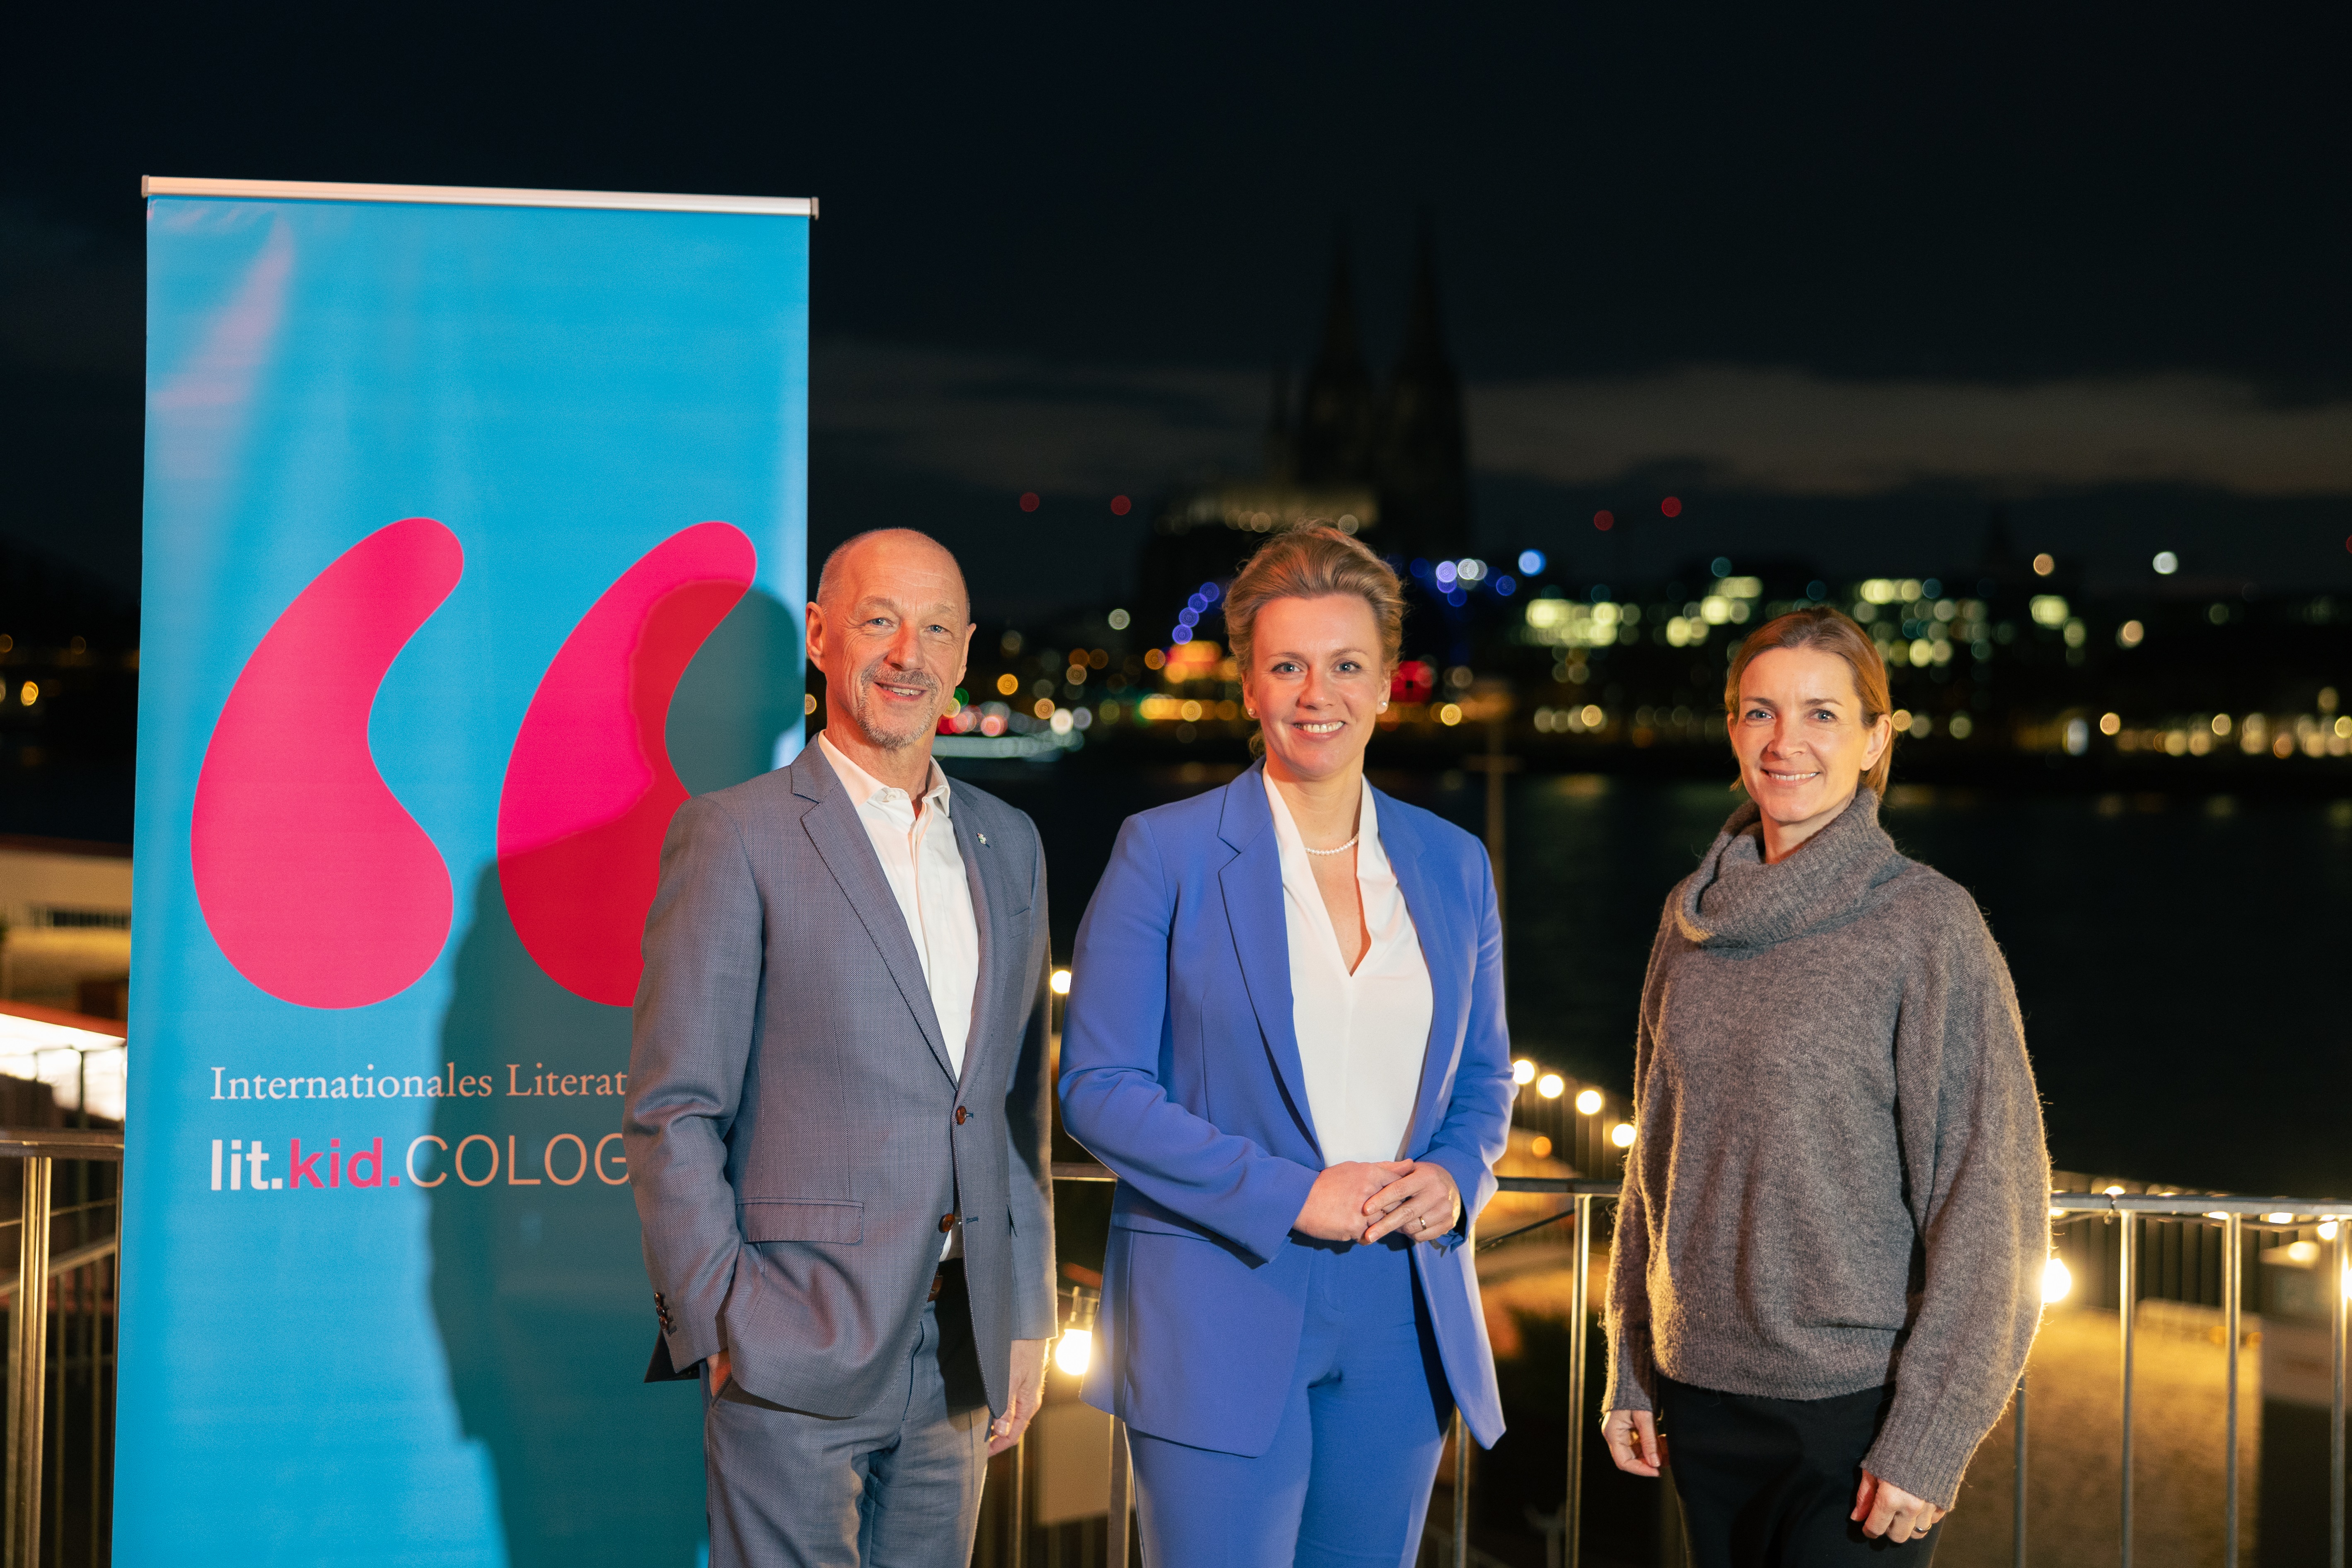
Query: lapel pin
[[983, 840]]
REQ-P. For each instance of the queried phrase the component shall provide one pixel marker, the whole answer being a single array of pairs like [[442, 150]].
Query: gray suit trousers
[[897, 1486]]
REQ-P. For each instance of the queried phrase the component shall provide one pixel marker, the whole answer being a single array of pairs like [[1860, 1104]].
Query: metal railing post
[[97, 1274], [27, 1371], [2233, 1264], [2336, 1315], [1122, 1491], [1460, 1492], [1572, 1509], [1014, 1534], [2129, 1270], [2018, 1552]]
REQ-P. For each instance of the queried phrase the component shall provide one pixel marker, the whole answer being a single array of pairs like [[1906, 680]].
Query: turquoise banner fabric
[[474, 544]]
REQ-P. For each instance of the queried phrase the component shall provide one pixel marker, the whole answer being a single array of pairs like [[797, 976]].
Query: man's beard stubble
[[864, 707]]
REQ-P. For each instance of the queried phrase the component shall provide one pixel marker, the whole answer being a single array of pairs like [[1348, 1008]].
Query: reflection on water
[[2176, 956]]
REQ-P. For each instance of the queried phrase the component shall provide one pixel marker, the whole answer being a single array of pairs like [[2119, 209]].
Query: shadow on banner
[[538, 1286]]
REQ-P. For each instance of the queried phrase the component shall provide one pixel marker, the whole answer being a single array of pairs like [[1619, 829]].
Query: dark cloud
[[69, 302], [998, 423], [1790, 432], [1010, 424]]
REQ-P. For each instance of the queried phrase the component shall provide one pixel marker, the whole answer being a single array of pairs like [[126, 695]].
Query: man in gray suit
[[837, 1115]]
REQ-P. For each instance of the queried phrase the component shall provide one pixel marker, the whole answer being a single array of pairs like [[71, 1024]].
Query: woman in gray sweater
[[1829, 1253]]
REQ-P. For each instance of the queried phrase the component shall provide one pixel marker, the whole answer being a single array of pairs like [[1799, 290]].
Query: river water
[[2181, 960]]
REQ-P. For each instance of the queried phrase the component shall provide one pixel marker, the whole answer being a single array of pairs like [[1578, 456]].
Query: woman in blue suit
[[1285, 1036]]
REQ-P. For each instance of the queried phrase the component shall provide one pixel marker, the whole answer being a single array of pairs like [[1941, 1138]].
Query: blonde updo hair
[[1832, 631], [1312, 561]]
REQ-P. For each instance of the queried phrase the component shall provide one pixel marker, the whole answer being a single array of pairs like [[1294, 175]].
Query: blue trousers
[[1347, 1478]]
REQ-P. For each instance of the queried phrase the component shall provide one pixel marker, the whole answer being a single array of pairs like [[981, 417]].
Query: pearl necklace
[[1342, 850]]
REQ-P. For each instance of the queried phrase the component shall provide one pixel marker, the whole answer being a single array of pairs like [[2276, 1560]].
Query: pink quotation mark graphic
[[589, 788], [318, 885]]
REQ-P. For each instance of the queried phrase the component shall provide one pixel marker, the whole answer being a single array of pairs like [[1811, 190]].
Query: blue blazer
[[1181, 1072]]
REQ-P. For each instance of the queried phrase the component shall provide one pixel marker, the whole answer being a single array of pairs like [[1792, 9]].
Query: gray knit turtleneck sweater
[[1838, 1179]]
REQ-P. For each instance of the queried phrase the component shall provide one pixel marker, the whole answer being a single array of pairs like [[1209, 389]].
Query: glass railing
[[2150, 1255], [59, 1466], [2141, 1250]]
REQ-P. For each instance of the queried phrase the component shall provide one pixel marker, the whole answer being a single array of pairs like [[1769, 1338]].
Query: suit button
[[961, 1114], [947, 1223]]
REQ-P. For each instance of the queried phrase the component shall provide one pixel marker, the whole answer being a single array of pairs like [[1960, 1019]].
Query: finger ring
[[1417, 1221]]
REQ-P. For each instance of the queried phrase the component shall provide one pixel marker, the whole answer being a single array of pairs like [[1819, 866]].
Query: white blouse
[[1363, 1038]]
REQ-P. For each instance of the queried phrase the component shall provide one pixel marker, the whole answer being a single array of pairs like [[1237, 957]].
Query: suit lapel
[[832, 826], [1252, 883], [983, 869], [1434, 916]]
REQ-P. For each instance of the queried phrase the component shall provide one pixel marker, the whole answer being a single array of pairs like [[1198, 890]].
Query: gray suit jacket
[[797, 1141]]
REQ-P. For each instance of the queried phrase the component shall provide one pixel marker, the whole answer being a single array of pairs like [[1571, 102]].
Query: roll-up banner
[[475, 540]]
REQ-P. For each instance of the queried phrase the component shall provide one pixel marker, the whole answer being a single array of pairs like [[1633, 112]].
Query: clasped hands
[[1364, 1200], [1881, 1508]]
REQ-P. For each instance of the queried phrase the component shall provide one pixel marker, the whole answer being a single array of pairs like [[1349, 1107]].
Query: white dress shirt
[[1363, 1038], [926, 873]]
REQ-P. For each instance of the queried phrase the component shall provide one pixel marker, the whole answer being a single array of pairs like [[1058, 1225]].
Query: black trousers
[[1768, 1483]]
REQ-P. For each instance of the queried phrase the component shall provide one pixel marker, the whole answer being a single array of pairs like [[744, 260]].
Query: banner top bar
[[474, 196]]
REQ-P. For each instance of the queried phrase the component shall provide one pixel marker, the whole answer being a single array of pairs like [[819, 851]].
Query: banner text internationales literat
[[247, 1164]]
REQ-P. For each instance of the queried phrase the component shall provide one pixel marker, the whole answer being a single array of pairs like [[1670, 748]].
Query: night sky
[[1839, 284]]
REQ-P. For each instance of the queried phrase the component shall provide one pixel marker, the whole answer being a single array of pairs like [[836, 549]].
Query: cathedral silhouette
[[1387, 463]]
